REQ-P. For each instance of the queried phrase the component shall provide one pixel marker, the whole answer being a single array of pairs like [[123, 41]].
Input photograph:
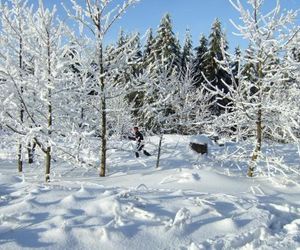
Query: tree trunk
[[103, 141], [159, 151], [80, 137], [48, 164], [257, 149], [31, 151], [49, 122], [103, 113], [20, 162]]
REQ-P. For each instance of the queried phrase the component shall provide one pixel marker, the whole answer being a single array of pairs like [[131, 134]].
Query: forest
[[70, 177], [64, 89]]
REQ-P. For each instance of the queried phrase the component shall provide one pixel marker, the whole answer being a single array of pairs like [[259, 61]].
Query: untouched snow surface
[[189, 203]]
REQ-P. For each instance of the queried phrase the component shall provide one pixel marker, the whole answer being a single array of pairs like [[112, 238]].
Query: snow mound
[[10, 179], [182, 217], [182, 177], [201, 139], [293, 227]]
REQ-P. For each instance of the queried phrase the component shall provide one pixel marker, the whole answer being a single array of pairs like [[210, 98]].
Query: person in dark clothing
[[139, 138]]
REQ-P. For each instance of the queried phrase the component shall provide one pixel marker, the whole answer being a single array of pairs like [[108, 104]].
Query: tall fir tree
[[200, 64], [129, 44], [236, 64], [215, 74], [166, 47], [148, 53], [135, 69], [187, 53], [161, 56]]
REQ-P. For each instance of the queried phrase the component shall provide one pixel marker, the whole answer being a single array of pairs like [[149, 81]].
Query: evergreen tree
[[166, 47], [215, 74], [131, 46], [136, 61], [187, 53], [162, 54], [200, 62], [236, 64], [133, 71], [148, 55]]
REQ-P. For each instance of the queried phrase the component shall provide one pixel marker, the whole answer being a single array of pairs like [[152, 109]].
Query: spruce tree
[[200, 64], [161, 57], [148, 54], [130, 45], [166, 46], [215, 74], [187, 53], [135, 69], [236, 63]]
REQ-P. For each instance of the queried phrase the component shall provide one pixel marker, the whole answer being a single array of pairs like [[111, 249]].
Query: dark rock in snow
[[199, 148]]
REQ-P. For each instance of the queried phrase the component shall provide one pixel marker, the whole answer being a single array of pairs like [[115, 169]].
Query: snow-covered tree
[[191, 105], [14, 70], [48, 47], [262, 103], [200, 63], [166, 47], [173, 104], [34, 68], [214, 73], [97, 17], [148, 55], [187, 52]]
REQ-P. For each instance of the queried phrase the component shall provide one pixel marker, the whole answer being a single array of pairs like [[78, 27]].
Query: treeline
[[72, 96], [162, 51]]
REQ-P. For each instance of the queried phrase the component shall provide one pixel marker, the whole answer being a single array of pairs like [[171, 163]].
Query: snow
[[201, 139], [189, 202]]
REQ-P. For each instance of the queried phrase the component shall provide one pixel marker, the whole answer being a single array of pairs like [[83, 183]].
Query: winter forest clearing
[[213, 164], [190, 202]]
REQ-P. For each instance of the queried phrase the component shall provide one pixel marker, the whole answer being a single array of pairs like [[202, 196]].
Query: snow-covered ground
[[190, 202]]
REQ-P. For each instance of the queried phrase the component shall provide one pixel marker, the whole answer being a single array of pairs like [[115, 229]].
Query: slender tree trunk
[[258, 145], [103, 139], [20, 161], [257, 149], [50, 118], [80, 138], [103, 113], [159, 151], [48, 164], [31, 151]]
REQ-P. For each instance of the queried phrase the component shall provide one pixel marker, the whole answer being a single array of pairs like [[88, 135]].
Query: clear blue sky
[[197, 15]]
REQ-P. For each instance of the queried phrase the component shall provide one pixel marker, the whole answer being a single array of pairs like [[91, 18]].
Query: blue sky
[[197, 15]]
